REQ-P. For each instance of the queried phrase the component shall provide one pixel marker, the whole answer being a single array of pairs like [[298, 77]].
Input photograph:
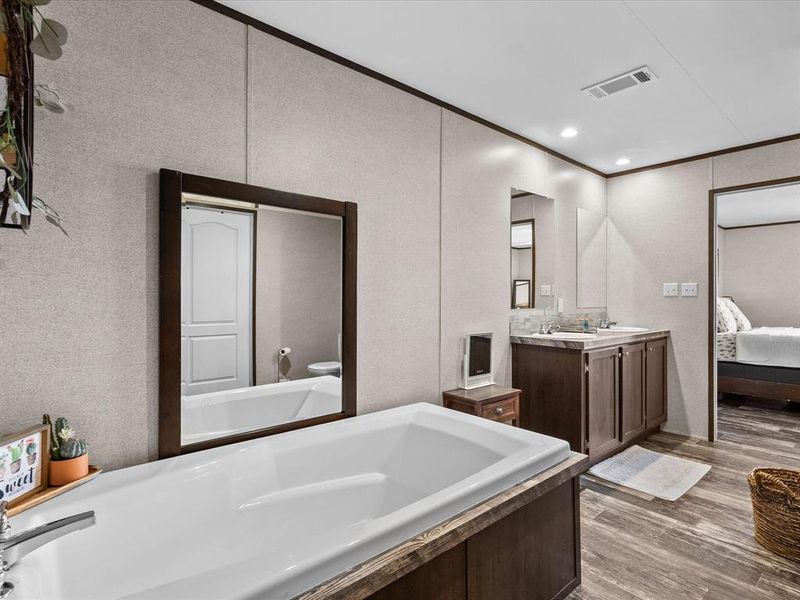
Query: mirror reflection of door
[[216, 303]]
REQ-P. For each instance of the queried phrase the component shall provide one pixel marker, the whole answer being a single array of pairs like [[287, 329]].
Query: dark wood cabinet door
[[602, 416], [632, 390], [442, 578], [656, 382]]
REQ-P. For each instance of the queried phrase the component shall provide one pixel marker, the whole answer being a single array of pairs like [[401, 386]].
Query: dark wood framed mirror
[[247, 346]]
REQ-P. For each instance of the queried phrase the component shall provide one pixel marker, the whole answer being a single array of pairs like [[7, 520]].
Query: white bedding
[[769, 346]]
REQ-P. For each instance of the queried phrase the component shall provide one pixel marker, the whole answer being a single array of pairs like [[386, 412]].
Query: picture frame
[[24, 464], [522, 294]]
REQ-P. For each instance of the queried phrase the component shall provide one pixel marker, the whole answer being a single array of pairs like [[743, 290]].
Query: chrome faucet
[[548, 327], [606, 324], [14, 547]]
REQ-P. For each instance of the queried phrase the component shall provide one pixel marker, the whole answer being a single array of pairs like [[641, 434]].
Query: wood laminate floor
[[701, 546]]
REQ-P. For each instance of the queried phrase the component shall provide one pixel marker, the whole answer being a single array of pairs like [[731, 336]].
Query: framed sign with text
[[24, 463]]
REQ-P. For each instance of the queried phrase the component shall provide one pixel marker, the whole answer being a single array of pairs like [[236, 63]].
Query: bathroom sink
[[620, 329], [564, 335]]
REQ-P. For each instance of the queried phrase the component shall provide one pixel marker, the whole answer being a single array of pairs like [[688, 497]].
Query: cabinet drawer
[[503, 410]]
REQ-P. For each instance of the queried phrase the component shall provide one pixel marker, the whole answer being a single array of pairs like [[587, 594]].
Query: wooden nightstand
[[493, 402]]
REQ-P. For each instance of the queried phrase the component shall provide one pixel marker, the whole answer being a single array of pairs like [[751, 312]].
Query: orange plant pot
[[63, 472], [5, 71]]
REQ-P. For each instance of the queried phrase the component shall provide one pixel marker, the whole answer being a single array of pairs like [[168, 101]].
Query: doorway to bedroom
[[754, 298]]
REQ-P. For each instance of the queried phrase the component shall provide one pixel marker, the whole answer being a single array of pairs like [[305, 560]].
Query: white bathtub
[[273, 517], [218, 414]]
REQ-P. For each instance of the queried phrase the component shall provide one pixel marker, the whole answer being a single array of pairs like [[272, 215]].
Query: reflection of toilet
[[328, 367], [331, 367]]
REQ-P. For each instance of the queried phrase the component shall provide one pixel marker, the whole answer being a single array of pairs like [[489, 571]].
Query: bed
[[761, 361]]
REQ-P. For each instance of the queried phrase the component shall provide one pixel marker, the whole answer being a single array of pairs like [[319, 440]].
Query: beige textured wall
[[80, 326], [318, 128], [172, 84], [479, 168], [298, 291], [658, 232], [761, 270], [571, 187]]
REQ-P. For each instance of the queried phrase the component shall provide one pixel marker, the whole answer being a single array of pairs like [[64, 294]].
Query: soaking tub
[[219, 414], [272, 517]]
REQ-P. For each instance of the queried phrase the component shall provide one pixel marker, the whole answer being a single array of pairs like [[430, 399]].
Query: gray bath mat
[[653, 473]]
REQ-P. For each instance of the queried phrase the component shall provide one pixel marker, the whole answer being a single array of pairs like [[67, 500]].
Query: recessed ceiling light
[[623, 161], [569, 132]]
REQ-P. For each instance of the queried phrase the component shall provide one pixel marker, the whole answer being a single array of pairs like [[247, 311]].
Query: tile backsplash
[[524, 321]]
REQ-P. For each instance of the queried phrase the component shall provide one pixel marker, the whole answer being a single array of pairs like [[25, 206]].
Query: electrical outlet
[[689, 289], [670, 289], [544, 290]]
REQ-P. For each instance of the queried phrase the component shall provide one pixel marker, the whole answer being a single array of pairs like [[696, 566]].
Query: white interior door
[[216, 299]]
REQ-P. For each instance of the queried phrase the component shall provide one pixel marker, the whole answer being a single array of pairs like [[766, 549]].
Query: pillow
[[726, 322], [742, 322]]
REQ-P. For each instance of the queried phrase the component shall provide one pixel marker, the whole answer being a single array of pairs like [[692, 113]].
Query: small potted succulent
[[16, 457], [30, 451], [69, 458]]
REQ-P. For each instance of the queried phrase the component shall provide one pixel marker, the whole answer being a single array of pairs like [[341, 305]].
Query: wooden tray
[[52, 492]]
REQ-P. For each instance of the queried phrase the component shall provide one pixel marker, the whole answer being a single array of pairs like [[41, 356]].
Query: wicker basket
[[776, 510]]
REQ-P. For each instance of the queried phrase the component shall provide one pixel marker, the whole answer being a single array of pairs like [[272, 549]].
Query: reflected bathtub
[[219, 414]]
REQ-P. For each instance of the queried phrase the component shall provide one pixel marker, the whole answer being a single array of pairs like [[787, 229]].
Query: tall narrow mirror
[[263, 323], [532, 250]]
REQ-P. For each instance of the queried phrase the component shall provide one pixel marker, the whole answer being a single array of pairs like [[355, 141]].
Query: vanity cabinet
[[632, 390], [602, 407], [656, 382], [600, 395]]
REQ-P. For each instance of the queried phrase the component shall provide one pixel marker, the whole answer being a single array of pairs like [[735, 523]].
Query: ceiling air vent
[[616, 84]]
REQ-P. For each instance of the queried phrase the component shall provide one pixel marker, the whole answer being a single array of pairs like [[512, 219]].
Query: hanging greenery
[[24, 31]]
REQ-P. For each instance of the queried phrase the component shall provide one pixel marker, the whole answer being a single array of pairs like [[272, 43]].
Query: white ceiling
[[729, 72], [765, 205]]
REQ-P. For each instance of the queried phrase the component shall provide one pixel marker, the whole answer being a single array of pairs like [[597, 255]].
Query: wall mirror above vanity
[[558, 261], [532, 250], [257, 312]]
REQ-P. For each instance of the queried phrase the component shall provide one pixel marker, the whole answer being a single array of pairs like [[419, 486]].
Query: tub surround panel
[[318, 128], [386, 571], [82, 338]]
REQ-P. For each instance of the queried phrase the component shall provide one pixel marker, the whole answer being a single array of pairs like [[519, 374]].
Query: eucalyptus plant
[[49, 36]]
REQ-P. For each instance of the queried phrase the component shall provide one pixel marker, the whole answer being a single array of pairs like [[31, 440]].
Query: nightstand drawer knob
[[498, 410]]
